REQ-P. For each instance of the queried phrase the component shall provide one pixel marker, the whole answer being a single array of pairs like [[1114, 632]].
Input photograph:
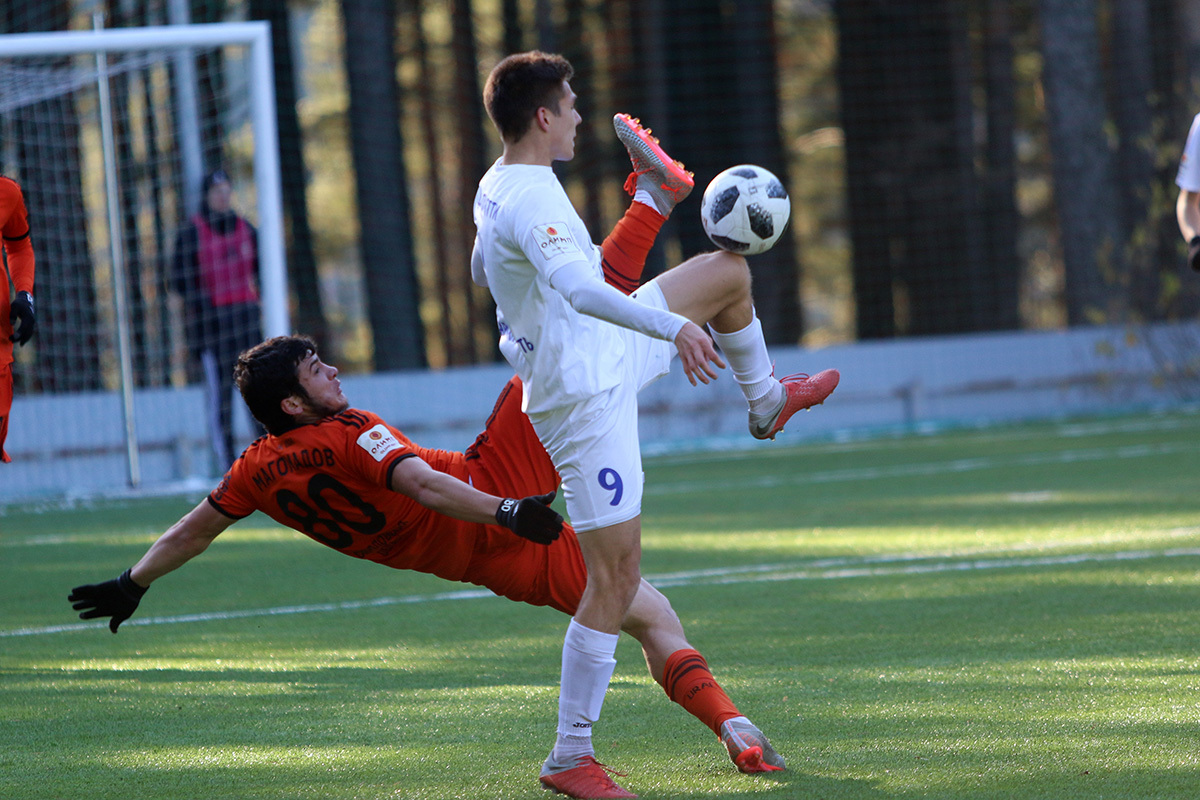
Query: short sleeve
[[376, 449], [231, 497]]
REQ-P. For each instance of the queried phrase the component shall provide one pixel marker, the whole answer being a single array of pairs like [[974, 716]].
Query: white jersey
[[1188, 177], [527, 229]]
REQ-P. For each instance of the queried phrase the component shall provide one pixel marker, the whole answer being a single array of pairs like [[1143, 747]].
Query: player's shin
[[688, 682], [746, 352]]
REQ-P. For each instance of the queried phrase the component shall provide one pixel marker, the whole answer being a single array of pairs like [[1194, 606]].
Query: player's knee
[[732, 274]]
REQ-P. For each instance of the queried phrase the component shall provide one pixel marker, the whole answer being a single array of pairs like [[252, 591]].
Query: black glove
[[117, 599], [1194, 253], [22, 311], [531, 518]]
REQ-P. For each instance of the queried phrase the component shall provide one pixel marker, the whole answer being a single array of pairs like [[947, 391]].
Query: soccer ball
[[745, 209]]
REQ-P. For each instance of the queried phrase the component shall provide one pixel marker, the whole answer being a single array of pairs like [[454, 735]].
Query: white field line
[[921, 469], [824, 569], [832, 476]]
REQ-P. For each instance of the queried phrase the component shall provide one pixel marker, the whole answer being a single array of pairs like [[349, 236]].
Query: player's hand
[[117, 598], [531, 518], [697, 354], [22, 317], [1194, 253]]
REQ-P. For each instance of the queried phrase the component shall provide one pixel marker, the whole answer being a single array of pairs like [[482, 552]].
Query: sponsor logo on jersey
[[378, 442], [554, 240]]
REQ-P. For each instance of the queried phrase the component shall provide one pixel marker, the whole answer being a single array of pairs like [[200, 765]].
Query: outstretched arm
[[186, 539], [119, 598], [529, 517]]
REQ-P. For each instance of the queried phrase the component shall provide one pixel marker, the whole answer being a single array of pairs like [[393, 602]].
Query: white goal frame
[[257, 37], [180, 40]]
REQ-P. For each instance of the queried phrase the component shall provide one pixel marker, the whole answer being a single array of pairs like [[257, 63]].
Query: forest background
[[955, 166]]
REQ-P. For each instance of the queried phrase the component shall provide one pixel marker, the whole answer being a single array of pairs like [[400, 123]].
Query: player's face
[[324, 390], [220, 197], [563, 125]]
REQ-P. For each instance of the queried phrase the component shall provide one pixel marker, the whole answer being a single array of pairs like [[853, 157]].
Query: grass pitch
[[1004, 613]]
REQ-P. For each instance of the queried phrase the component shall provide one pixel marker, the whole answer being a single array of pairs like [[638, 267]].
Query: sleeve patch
[[378, 441], [554, 240]]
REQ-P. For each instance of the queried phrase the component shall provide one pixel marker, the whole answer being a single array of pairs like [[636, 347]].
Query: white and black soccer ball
[[745, 209]]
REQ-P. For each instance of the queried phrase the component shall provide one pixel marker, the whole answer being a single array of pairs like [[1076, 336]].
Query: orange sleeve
[[14, 226], [231, 496]]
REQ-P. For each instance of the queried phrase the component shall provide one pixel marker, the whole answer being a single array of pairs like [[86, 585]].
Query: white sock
[[746, 353], [587, 667], [645, 198]]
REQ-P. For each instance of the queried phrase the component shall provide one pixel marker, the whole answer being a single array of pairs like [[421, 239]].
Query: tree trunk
[[514, 32], [1085, 173], [389, 267], [866, 79], [302, 263], [434, 156], [1173, 113], [638, 78], [1131, 74], [760, 141], [1001, 286], [909, 155], [479, 331], [721, 67]]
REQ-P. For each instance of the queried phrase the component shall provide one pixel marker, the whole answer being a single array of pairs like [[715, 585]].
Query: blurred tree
[[148, 340], [1172, 107], [478, 312], [1091, 224], [723, 110], [514, 33], [904, 74], [999, 292], [1131, 90], [389, 266], [302, 264], [426, 89], [638, 84], [592, 149]]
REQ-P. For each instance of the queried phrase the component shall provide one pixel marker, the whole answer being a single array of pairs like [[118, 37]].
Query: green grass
[[1004, 613]]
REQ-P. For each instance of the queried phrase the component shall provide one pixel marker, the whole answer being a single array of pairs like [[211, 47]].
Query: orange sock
[[624, 252], [687, 681]]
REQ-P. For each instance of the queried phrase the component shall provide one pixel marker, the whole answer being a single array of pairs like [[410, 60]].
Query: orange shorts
[[508, 460], [6, 396]]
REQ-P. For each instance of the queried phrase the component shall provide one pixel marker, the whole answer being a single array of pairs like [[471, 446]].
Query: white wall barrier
[[59, 451]]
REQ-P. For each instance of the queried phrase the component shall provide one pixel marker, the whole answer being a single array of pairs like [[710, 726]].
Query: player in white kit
[[1187, 208], [583, 350]]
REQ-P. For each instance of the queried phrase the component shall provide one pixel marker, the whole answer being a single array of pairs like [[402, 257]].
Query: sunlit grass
[[1003, 622]]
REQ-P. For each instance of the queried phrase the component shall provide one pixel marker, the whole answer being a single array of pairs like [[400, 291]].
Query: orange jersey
[[14, 233], [330, 481]]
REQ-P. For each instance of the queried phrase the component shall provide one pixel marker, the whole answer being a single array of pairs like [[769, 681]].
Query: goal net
[[150, 271]]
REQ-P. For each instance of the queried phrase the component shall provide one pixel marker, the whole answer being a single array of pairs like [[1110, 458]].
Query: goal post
[[57, 138], [257, 37]]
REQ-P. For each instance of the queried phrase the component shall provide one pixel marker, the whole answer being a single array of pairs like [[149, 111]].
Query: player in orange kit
[[351, 482], [16, 319]]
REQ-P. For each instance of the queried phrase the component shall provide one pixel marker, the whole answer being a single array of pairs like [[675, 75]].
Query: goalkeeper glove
[[531, 518], [22, 312], [1194, 253], [116, 598]]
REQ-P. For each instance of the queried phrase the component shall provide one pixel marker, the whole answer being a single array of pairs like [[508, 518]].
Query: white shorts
[[594, 444]]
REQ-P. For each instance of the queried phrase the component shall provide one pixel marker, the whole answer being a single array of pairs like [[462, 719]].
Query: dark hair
[[520, 85], [268, 373], [218, 175]]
